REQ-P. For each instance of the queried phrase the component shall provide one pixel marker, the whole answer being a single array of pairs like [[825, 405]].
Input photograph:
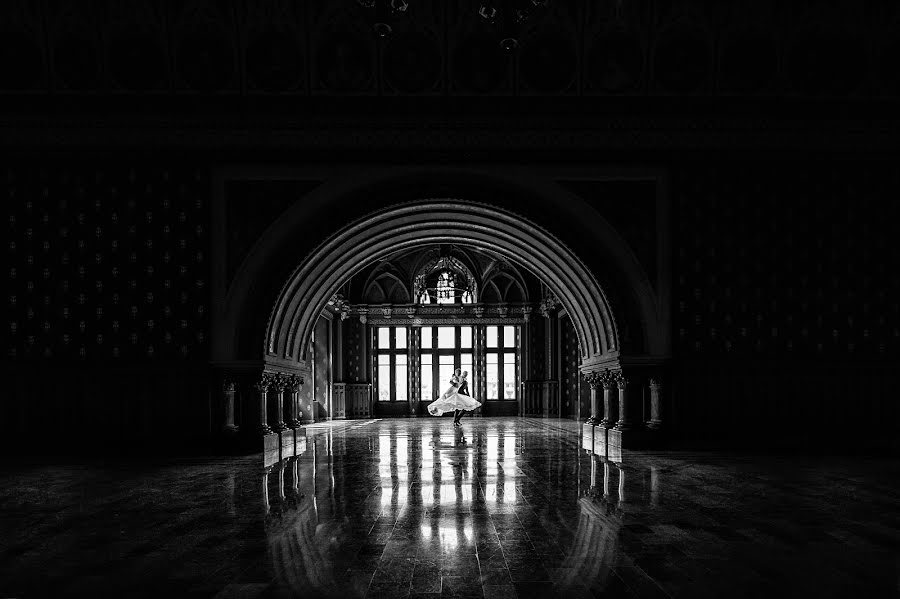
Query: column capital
[[607, 380], [265, 380], [293, 382], [594, 379], [655, 382], [620, 379], [228, 386], [280, 382]]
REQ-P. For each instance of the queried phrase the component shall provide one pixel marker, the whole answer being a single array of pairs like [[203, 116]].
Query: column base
[[230, 430], [592, 420], [264, 430], [293, 424], [654, 425], [279, 427], [601, 441], [271, 448], [606, 423], [587, 436], [288, 443], [630, 438]]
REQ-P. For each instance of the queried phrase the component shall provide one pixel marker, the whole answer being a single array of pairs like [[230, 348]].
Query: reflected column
[[654, 486], [606, 479]]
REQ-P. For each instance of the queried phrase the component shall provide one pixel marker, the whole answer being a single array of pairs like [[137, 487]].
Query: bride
[[452, 399]]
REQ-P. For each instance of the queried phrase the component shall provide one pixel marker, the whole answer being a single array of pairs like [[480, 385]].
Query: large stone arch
[[292, 310], [441, 221]]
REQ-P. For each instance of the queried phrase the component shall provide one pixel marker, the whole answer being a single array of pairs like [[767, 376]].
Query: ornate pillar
[[655, 421], [364, 341], [623, 383], [278, 386], [479, 366], [609, 384], [262, 388], [594, 379], [413, 370], [228, 399], [293, 401]]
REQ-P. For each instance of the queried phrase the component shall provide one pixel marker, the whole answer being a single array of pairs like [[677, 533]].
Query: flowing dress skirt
[[451, 400]]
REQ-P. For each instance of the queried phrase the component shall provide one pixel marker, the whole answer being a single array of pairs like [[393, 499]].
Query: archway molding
[[427, 222], [306, 290]]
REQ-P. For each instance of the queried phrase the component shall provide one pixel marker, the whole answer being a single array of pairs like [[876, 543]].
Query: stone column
[[594, 379], [479, 366], [228, 399], [623, 383], [262, 388], [654, 486], [609, 385], [364, 341], [278, 386], [413, 370], [293, 402], [655, 421]]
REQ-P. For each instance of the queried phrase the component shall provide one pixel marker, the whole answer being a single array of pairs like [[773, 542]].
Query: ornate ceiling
[[438, 48]]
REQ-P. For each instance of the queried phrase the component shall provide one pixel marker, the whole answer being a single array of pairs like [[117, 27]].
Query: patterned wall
[[571, 383], [781, 261], [107, 264], [786, 304], [353, 366]]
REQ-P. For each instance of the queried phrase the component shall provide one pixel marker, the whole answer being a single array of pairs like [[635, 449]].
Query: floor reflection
[[508, 508], [500, 508]]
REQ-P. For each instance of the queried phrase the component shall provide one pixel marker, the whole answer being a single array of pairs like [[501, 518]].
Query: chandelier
[[505, 16]]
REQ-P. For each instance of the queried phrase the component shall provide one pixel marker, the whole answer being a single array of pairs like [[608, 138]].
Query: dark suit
[[463, 390]]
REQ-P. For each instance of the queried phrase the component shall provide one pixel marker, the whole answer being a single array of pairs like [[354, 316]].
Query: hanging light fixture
[[385, 10], [511, 14]]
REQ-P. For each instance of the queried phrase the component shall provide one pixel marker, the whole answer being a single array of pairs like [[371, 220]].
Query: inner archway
[[435, 221]]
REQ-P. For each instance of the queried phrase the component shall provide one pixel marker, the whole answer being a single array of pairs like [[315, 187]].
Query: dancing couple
[[455, 398]]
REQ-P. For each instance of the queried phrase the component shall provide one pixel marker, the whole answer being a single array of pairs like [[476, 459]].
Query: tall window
[[444, 349], [502, 363], [390, 351]]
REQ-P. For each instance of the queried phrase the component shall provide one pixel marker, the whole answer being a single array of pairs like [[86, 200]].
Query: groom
[[463, 389]]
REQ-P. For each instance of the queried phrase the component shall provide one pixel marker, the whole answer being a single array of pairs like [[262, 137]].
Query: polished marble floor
[[500, 508]]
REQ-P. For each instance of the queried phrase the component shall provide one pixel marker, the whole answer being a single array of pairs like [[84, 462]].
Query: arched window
[[445, 281], [446, 288]]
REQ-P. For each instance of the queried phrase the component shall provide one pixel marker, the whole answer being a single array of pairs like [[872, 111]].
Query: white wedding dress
[[452, 400]]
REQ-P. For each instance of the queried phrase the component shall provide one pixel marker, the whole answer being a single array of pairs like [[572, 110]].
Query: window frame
[[500, 351], [436, 352], [392, 351]]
